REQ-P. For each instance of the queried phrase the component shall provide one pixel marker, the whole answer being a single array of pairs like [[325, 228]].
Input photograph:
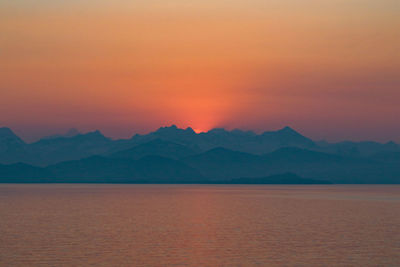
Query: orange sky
[[330, 69]]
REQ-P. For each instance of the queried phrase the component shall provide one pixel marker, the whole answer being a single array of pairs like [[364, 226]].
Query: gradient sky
[[330, 69]]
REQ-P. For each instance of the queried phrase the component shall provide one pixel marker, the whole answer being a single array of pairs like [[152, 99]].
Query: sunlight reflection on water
[[199, 225]]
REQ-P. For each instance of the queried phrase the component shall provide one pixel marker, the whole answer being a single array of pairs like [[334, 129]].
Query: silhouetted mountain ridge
[[157, 147], [150, 169], [12, 148], [182, 155]]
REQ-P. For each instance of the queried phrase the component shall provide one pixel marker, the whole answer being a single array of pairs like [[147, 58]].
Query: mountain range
[[174, 155]]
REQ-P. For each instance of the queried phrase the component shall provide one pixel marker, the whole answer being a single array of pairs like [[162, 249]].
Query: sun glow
[[132, 66], [199, 130]]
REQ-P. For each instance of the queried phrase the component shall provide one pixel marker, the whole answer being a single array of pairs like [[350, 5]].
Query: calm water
[[162, 225]]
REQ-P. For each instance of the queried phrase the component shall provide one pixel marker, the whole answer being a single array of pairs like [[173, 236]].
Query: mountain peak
[[287, 129], [7, 134], [6, 131], [173, 130], [288, 137], [95, 133], [190, 129], [173, 127]]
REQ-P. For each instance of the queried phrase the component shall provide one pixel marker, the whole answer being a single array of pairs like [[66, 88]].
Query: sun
[[199, 130]]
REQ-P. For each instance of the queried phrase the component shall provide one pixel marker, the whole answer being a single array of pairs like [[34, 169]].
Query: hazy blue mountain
[[8, 139], [357, 149], [156, 147], [165, 170], [218, 155], [252, 143], [56, 149], [20, 172], [286, 137], [173, 134], [235, 140], [387, 157], [245, 141], [97, 169], [50, 151], [221, 154], [223, 164], [299, 155], [147, 170], [218, 165], [335, 168], [12, 148]]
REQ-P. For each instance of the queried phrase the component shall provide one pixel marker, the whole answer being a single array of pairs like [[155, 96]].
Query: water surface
[[199, 225]]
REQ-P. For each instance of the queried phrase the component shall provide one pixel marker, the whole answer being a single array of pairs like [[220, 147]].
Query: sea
[[199, 225]]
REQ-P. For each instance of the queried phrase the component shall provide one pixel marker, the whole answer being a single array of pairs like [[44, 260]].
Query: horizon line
[[189, 128]]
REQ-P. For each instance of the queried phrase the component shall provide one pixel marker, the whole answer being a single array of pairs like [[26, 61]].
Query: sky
[[329, 69]]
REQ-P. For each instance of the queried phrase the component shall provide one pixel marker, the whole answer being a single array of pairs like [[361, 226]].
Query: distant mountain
[[387, 157], [165, 170], [221, 163], [287, 137], [96, 169], [235, 140], [357, 149], [9, 139], [182, 143], [218, 165], [335, 168], [299, 155], [171, 155], [51, 151], [12, 148], [22, 173], [173, 134], [156, 147], [147, 170], [221, 154]]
